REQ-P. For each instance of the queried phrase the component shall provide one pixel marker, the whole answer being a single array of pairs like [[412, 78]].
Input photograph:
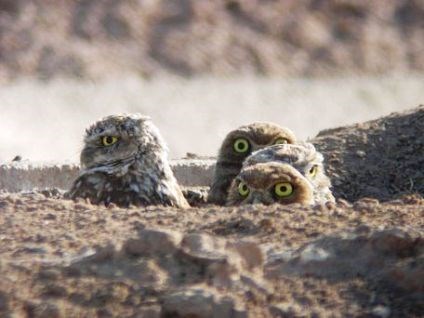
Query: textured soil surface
[[66, 259], [382, 158], [62, 258], [98, 38]]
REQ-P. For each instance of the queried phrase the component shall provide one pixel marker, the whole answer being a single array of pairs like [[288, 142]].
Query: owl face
[[117, 139], [305, 159], [269, 183]]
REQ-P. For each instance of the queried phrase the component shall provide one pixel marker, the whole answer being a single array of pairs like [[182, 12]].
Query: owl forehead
[[261, 133], [263, 175], [293, 154], [116, 125]]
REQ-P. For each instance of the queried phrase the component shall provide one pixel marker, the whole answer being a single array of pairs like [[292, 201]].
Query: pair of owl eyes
[[242, 145], [107, 141], [280, 190]]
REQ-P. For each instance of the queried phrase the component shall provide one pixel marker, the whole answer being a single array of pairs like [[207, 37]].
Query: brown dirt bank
[[382, 158], [97, 38]]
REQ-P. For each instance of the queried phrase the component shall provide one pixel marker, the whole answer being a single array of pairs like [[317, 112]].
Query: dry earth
[[101, 38], [382, 158], [363, 259]]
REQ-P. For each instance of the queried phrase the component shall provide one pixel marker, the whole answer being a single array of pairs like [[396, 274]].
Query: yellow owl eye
[[283, 189], [241, 145], [313, 171], [280, 141], [109, 140], [243, 189]]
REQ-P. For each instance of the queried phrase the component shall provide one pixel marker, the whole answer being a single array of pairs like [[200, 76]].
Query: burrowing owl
[[236, 147], [270, 182], [304, 158], [125, 161]]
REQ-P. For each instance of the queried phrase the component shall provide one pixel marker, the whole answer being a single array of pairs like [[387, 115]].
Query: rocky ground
[[360, 257], [101, 38], [66, 259]]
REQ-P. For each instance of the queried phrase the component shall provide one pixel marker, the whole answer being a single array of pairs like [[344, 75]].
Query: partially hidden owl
[[236, 147], [125, 161], [268, 183], [305, 159]]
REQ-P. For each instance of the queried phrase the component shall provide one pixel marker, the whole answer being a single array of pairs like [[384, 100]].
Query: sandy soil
[[62, 258]]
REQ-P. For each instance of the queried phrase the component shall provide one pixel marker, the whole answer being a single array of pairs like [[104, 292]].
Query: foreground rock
[[72, 259]]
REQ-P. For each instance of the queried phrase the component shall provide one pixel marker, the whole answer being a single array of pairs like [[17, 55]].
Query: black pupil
[[109, 139], [312, 171], [241, 145], [283, 188]]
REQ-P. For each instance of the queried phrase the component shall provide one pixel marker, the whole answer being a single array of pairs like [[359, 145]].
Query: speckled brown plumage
[[133, 169]]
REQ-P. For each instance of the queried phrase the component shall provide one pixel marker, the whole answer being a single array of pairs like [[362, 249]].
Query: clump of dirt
[[382, 158], [97, 38]]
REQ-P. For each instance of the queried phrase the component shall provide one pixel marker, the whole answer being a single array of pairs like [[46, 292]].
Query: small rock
[[361, 154], [396, 241], [97, 255], [313, 253], [227, 307], [153, 242], [204, 247], [343, 203], [49, 274], [381, 311], [257, 284], [188, 303], [286, 310], [17, 158], [202, 303], [43, 310], [250, 252], [151, 312]]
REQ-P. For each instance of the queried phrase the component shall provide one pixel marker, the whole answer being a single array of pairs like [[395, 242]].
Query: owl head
[[241, 142], [117, 139], [304, 158], [269, 183]]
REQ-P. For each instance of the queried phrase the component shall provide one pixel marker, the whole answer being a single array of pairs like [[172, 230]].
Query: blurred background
[[200, 68]]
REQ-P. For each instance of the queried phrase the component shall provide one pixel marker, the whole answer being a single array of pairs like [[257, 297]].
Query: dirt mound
[[97, 38], [72, 259], [382, 159]]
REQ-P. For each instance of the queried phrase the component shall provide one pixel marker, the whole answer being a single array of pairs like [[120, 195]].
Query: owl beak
[[255, 199]]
